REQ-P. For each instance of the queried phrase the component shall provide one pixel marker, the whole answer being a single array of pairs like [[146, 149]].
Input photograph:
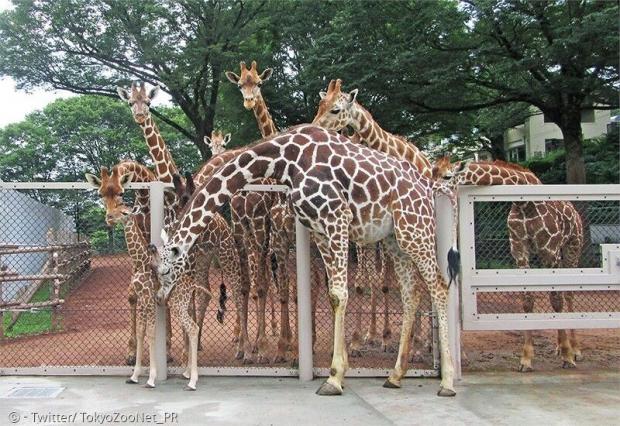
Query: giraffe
[[341, 191], [553, 230], [337, 111], [139, 101], [252, 211], [143, 284], [217, 142]]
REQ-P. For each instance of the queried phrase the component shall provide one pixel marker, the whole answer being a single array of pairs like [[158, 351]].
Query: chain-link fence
[[78, 312]]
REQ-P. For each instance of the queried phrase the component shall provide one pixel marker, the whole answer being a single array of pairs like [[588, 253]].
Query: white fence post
[[444, 219], [156, 197], [304, 303]]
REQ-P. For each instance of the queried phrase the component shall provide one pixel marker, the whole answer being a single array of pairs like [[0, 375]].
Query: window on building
[[587, 116], [517, 154], [553, 144]]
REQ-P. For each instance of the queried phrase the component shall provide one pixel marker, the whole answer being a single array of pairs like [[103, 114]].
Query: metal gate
[[83, 324], [493, 288]]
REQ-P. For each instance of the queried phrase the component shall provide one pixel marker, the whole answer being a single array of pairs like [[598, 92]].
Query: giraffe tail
[[454, 257], [222, 304]]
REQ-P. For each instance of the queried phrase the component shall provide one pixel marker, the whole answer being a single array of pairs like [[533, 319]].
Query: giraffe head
[[169, 263], [138, 99], [452, 173], [249, 82], [217, 142], [335, 107], [111, 188]]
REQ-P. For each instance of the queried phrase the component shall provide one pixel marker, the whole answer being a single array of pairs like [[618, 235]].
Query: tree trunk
[[570, 125]]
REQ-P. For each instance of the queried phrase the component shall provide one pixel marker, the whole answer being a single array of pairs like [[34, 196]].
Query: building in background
[[538, 136]]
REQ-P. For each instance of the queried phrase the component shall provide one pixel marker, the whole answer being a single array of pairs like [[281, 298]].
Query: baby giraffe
[[217, 142], [144, 281]]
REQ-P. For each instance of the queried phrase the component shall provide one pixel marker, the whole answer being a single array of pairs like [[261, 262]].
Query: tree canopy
[[426, 70]]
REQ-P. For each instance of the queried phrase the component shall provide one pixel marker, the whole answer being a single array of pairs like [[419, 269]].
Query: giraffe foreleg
[[130, 358], [334, 249], [574, 343], [360, 272], [181, 306], [280, 251], [564, 347], [410, 296], [139, 329]]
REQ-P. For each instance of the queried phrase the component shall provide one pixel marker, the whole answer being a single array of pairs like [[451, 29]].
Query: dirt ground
[[95, 321]]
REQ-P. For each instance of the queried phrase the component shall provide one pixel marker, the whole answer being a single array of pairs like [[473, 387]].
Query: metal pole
[[444, 218], [304, 304], [157, 224]]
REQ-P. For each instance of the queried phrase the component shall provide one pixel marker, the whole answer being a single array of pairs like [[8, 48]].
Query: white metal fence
[[492, 285]]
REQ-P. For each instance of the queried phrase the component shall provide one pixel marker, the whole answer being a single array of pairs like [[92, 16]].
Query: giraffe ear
[[208, 141], [226, 139], [164, 236], [154, 91], [322, 94], [352, 95], [93, 180], [232, 77], [126, 178], [266, 75], [122, 93]]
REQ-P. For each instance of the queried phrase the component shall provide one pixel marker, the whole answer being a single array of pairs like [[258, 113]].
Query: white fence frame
[[606, 277], [305, 371]]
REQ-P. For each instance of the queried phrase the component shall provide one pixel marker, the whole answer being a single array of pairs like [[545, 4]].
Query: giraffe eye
[[131, 103], [335, 111]]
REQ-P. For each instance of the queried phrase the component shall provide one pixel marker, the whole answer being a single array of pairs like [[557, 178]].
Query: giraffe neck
[[263, 118], [375, 137], [136, 245], [164, 164], [489, 174]]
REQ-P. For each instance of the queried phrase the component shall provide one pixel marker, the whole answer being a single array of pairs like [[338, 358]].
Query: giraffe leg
[[139, 329], [280, 247], [527, 353], [574, 343], [519, 249], [241, 283], [334, 249], [191, 328], [130, 358], [423, 253], [410, 295], [360, 272], [564, 348], [203, 297], [150, 336], [386, 335]]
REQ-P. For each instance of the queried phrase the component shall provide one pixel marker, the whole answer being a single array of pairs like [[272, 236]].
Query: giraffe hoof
[[189, 388], [247, 361], [445, 392], [131, 381], [262, 359], [525, 369], [578, 357], [149, 386], [568, 364], [239, 355], [390, 385], [327, 389], [278, 359], [185, 375], [130, 360]]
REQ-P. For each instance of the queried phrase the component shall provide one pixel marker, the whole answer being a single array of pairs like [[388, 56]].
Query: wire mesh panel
[[64, 281], [536, 254]]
